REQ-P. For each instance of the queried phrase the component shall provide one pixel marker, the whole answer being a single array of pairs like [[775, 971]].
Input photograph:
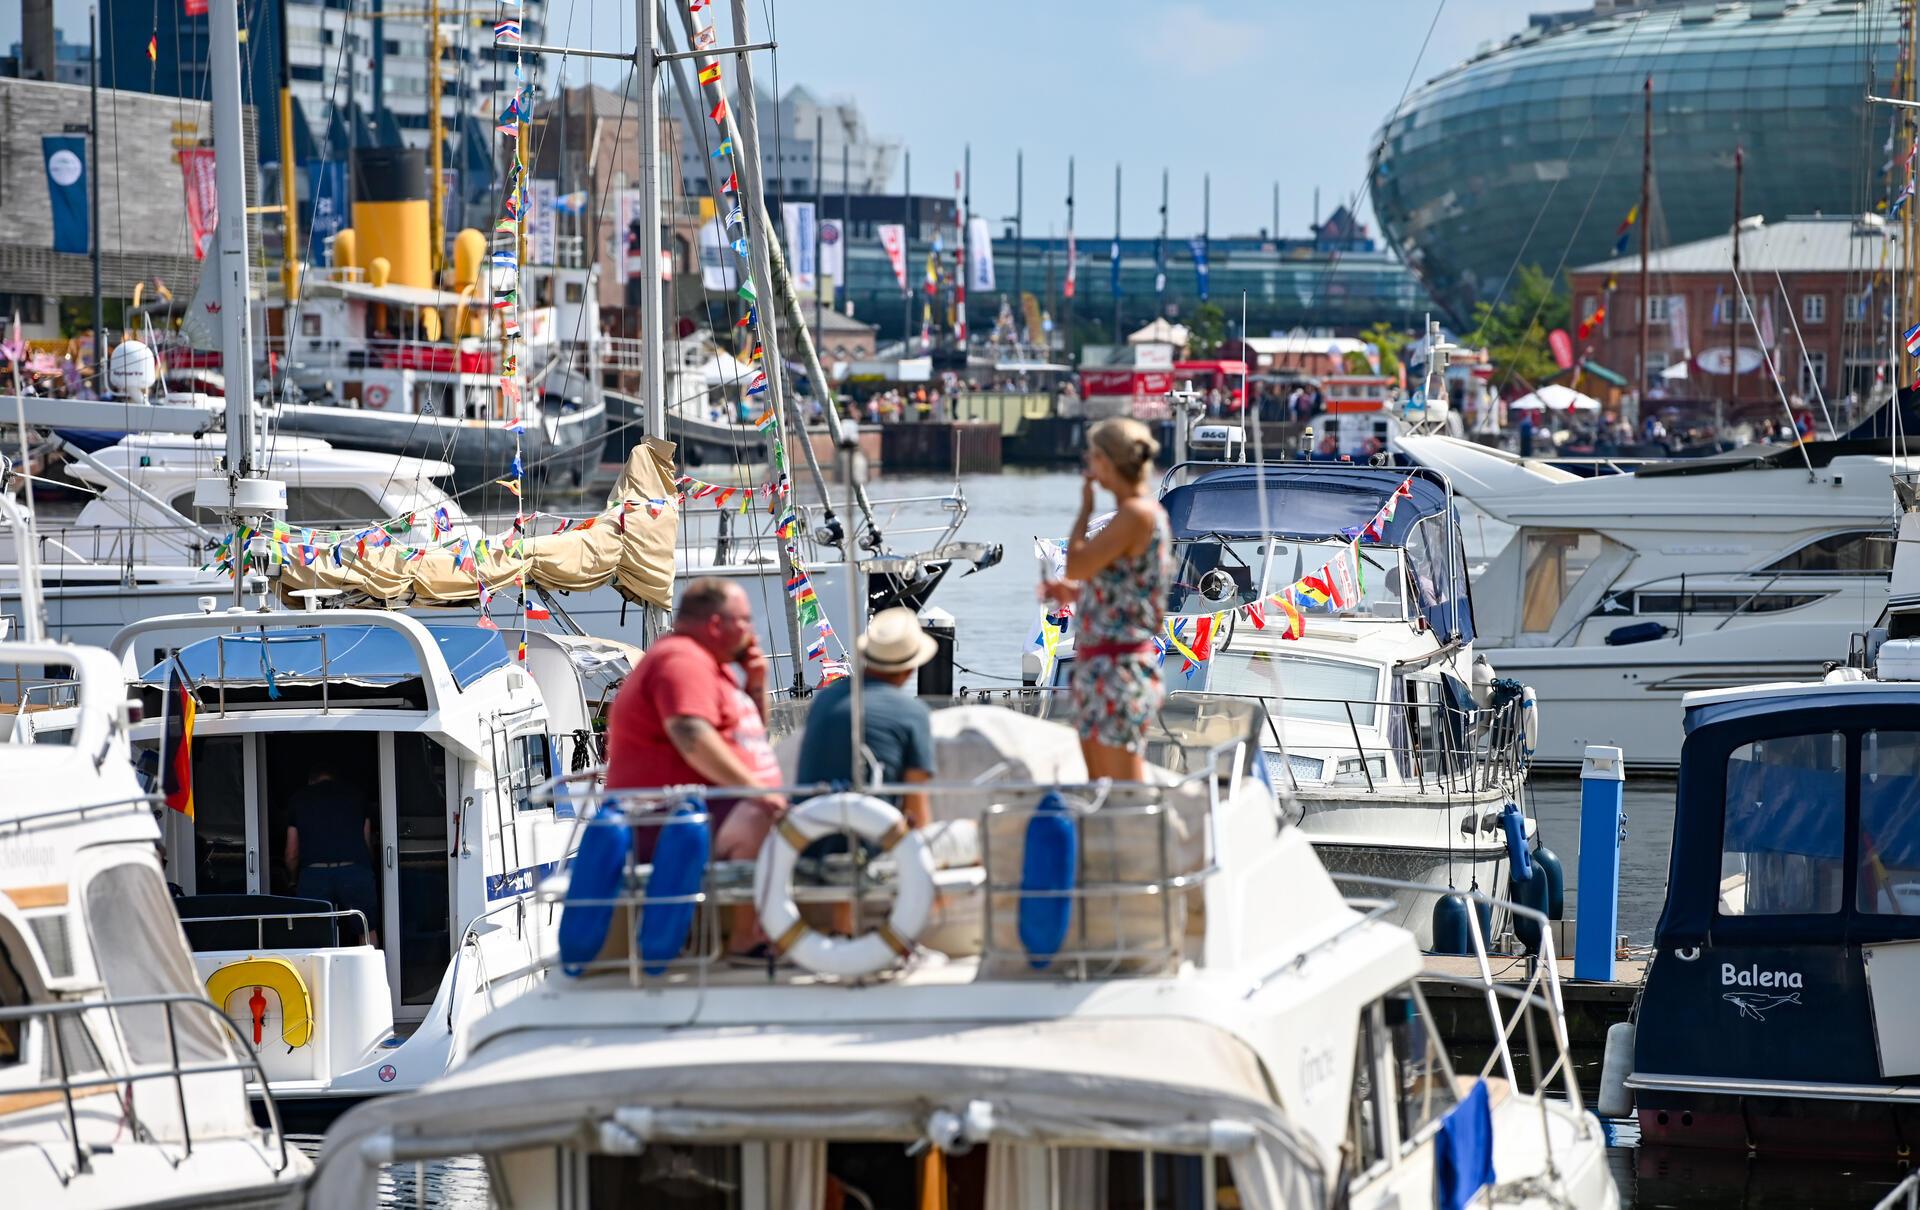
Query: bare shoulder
[[1142, 514]]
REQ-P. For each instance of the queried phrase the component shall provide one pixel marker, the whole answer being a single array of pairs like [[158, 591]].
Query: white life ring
[[377, 396], [876, 822], [1529, 722]]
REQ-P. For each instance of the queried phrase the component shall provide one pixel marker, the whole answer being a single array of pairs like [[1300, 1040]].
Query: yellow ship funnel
[[390, 212]]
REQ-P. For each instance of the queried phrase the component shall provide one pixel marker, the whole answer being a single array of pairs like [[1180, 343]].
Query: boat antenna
[[1259, 457], [33, 619]]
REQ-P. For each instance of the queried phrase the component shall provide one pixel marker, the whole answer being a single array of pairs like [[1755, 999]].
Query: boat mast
[[1739, 168], [436, 150], [93, 171], [289, 186], [653, 396], [230, 263], [1646, 217]]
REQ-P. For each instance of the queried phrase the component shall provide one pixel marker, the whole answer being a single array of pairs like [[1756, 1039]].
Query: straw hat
[[894, 642]]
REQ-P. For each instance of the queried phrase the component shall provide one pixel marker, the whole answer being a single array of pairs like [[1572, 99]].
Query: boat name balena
[[1753, 976]]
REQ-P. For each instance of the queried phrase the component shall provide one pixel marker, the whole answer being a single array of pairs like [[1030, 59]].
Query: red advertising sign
[[203, 201], [195, 8]]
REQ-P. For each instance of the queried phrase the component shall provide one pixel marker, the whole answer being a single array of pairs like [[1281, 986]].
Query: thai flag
[[516, 425], [1912, 337], [507, 30]]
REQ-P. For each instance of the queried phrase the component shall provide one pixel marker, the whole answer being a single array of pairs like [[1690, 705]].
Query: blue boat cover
[[373, 654], [1311, 501]]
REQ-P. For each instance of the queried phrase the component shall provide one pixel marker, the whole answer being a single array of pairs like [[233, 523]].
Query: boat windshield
[[1216, 573]]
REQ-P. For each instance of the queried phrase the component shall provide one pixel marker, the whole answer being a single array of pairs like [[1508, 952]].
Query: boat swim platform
[[1592, 1006]]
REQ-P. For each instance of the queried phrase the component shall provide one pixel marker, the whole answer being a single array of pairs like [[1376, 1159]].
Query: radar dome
[[131, 369]]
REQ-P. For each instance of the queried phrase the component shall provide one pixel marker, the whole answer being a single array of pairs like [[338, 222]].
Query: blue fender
[[1519, 860], [1050, 865], [596, 873], [679, 869]]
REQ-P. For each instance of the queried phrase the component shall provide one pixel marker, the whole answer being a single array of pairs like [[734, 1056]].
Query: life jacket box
[[1899, 660], [1893, 987]]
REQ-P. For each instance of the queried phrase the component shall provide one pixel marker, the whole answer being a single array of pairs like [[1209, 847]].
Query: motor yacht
[[1055, 994], [1792, 912], [120, 1084], [1341, 604], [1618, 595], [442, 733]]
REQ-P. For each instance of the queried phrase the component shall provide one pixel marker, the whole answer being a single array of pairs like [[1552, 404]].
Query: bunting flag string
[[1375, 530]]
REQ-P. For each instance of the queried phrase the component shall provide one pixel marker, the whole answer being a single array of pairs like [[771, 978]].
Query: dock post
[[1603, 778]]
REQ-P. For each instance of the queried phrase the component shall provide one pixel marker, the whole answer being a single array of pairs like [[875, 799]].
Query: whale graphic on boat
[[1755, 1007]]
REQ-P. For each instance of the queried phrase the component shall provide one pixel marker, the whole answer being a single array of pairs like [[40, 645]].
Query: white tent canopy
[[1556, 398], [1675, 372], [1161, 332]]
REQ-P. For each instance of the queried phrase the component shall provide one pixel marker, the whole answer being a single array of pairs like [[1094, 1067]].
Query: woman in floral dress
[[1117, 579]]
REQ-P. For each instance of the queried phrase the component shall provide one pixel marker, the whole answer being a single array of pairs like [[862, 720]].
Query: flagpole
[[652, 323], [93, 171], [1019, 229], [846, 223], [1739, 167], [819, 212], [1646, 215], [1113, 280], [1067, 296], [1160, 255], [906, 260]]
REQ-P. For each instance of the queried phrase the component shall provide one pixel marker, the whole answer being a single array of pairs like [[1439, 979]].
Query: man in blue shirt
[[896, 727]]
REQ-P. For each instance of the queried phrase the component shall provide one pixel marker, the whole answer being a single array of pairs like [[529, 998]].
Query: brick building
[[1816, 274]]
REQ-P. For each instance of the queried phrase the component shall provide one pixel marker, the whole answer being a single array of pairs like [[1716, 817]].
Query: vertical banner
[[1766, 324], [66, 160], [833, 250], [718, 260], [327, 187], [798, 218], [979, 254], [1113, 256], [627, 206], [1073, 267], [203, 201], [1677, 322], [1200, 269], [541, 234], [893, 237]]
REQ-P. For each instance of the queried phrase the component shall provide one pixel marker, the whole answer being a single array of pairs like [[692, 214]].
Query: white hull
[[1629, 697], [1407, 838]]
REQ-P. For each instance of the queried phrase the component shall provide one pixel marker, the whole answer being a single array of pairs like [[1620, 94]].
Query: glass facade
[[1530, 153], [1288, 284]]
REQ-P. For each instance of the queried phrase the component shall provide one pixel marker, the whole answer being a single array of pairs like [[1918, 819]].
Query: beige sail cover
[[628, 544]]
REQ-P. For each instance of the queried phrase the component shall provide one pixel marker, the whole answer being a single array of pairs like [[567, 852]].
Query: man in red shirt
[[683, 719]]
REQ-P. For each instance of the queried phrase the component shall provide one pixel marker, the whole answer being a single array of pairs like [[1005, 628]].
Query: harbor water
[[996, 611]]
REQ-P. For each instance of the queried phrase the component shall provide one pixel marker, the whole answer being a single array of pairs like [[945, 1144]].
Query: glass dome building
[[1529, 153]]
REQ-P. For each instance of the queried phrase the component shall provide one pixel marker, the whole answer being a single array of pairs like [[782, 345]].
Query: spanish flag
[[176, 744]]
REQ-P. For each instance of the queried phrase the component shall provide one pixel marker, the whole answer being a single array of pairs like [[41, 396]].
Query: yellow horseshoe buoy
[[277, 975]]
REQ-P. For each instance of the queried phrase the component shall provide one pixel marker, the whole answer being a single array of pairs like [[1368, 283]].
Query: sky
[[1259, 93]]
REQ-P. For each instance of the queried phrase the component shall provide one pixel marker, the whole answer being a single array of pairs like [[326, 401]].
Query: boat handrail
[[260, 920], [130, 805], [1164, 876], [468, 936], [1492, 756], [1906, 1194], [66, 1084], [1541, 989]]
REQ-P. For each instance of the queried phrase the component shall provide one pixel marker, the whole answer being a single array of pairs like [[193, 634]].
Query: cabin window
[[528, 767], [1425, 1088], [1783, 834], [1856, 552], [1720, 602], [1310, 690], [310, 506], [136, 945], [1889, 876], [13, 994], [1366, 1125], [1554, 560]]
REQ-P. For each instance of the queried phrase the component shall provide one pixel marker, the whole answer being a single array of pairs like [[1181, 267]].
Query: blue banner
[[327, 191], [66, 159], [1114, 255], [1199, 245]]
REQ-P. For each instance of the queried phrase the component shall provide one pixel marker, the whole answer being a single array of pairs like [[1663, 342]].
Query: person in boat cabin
[[896, 727], [330, 847], [684, 718], [1117, 579]]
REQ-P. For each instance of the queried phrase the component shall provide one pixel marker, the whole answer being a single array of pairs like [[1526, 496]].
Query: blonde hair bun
[[1127, 443]]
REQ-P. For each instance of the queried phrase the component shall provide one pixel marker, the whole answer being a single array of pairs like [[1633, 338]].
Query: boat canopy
[[1797, 817], [1303, 501], [357, 654], [1322, 502]]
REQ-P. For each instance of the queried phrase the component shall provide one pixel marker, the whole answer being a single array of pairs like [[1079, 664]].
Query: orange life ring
[[377, 396]]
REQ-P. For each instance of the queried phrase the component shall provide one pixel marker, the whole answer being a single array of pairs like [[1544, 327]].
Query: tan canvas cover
[[629, 543]]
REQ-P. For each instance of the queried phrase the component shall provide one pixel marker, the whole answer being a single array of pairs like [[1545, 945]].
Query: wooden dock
[[1591, 1006]]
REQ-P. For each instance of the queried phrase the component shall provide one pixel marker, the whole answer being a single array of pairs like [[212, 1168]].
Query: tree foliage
[[1390, 341], [1514, 331], [1206, 330]]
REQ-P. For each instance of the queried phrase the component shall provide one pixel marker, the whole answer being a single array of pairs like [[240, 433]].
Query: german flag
[[176, 744]]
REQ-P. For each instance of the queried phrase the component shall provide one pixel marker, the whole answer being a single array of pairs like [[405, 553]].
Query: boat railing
[[134, 805], [1903, 1196], [1550, 1060], [260, 920], [117, 546], [66, 1083], [1432, 747], [23, 694], [1150, 844], [483, 983]]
